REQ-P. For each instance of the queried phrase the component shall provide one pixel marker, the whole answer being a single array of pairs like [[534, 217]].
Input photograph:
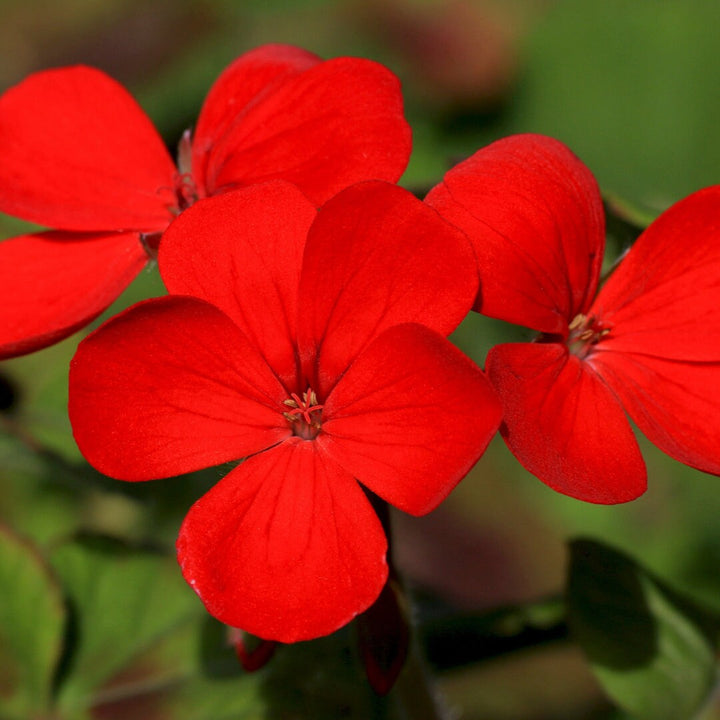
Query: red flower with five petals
[[79, 155], [647, 343], [292, 338]]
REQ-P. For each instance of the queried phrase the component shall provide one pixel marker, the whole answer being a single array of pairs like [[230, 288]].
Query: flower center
[[304, 415], [585, 331]]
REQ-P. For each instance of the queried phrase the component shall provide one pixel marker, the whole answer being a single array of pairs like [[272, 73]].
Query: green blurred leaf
[[143, 645], [126, 602], [652, 649], [32, 616], [39, 491], [188, 674], [41, 379]]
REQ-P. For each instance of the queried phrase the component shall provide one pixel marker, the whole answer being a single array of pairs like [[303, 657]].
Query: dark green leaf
[[652, 649]]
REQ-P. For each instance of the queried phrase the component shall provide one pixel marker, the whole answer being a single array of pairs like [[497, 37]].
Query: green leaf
[[32, 617], [127, 602], [190, 673], [652, 649]]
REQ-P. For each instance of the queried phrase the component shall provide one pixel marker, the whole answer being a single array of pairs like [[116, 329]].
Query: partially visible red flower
[[648, 343], [79, 155], [292, 338]]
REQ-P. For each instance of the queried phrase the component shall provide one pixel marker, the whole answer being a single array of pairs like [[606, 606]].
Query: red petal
[[252, 76], [242, 252], [376, 256], [663, 298], [337, 123], [534, 214], [52, 284], [170, 386], [565, 425], [410, 417], [287, 546], [676, 404], [78, 153]]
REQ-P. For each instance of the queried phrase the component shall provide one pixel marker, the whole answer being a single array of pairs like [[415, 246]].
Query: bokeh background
[[632, 87]]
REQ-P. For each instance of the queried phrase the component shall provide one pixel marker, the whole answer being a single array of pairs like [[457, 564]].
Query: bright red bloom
[[647, 344], [291, 337], [79, 155]]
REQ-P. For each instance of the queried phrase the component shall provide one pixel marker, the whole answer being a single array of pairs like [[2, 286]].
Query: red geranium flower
[[79, 155], [291, 337], [647, 344]]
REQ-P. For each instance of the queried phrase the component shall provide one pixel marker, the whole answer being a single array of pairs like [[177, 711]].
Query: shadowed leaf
[[652, 649]]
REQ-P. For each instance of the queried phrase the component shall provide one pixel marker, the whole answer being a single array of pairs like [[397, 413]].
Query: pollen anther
[[304, 414], [584, 332]]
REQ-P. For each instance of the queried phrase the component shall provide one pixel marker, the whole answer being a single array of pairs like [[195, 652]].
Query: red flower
[[647, 344], [308, 359], [79, 155]]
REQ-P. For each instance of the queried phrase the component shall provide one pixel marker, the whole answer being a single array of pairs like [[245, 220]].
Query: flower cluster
[[309, 302]]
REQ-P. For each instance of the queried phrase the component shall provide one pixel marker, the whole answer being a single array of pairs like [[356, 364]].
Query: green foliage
[[652, 649], [111, 630], [32, 618], [125, 602]]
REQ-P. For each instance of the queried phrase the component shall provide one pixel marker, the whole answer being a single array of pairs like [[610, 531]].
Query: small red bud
[[252, 652], [384, 635]]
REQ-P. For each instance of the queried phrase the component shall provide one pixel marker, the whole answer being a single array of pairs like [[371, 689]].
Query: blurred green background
[[632, 87]]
